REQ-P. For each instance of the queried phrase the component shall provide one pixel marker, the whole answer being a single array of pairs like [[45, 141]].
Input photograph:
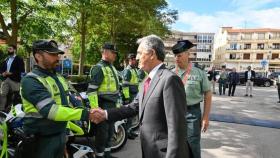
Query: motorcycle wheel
[[119, 139]]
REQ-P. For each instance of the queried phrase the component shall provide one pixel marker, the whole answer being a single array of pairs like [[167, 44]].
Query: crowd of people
[[166, 102], [230, 79]]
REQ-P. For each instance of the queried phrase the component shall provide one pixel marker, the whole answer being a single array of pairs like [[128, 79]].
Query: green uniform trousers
[[193, 118], [104, 133], [51, 146]]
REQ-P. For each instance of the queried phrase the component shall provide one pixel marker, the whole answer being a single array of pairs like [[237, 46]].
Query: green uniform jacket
[[97, 78], [33, 91], [127, 75], [196, 85]]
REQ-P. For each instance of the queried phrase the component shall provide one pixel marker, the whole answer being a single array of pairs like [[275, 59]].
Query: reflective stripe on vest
[[50, 84]]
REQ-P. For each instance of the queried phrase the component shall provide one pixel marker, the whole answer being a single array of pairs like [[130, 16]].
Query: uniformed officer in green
[[46, 104], [197, 89], [103, 91], [130, 88]]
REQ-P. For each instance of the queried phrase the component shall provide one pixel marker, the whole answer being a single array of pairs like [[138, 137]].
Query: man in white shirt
[[249, 76], [11, 70]]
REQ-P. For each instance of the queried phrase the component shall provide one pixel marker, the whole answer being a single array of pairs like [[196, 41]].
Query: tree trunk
[[13, 38], [83, 43]]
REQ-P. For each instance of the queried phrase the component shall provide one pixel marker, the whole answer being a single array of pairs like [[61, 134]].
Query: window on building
[[259, 56], [260, 45], [232, 56], [246, 56], [233, 37], [275, 35], [233, 46], [204, 39], [247, 46], [275, 56], [247, 36], [261, 36], [276, 45], [209, 39]]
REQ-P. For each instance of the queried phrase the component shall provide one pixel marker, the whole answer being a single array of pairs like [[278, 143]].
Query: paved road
[[230, 140]]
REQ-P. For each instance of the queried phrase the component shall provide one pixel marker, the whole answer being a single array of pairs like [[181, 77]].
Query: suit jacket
[[253, 75], [16, 69], [212, 75], [233, 78], [162, 116]]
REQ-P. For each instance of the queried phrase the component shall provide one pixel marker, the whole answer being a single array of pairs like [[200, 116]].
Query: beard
[[50, 65], [10, 53]]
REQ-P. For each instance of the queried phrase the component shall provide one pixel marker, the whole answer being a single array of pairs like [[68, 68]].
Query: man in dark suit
[[11, 70], [233, 79], [161, 103], [250, 75]]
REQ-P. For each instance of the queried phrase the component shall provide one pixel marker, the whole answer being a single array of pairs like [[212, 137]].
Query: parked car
[[274, 75], [260, 80]]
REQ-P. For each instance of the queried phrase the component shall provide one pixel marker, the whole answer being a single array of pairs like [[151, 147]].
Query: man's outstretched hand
[[97, 115]]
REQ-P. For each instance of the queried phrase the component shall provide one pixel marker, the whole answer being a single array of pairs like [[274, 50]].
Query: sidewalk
[[230, 140]]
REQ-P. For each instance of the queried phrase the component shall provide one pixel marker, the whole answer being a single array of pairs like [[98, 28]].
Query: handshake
[[97, 115]]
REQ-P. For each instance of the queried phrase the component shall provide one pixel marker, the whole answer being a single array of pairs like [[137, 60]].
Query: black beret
[[48, 46], [131, 56], [110, 46], [182, 46]]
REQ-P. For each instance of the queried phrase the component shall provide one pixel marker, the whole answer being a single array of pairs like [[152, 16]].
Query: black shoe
[[246, 95], [232, 95], [134, 134], [130, 136], [278, 102], [251, 96]]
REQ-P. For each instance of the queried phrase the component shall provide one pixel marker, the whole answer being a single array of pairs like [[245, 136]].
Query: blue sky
[[210, 15]]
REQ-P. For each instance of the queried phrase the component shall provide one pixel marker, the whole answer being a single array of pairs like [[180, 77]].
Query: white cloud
[[238, 19]]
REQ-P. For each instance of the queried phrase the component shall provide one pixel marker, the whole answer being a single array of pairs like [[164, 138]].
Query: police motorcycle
[[13, 139], [119, 137]]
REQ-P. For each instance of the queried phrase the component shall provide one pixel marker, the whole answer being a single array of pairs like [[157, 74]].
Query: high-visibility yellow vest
[[109, 84], [59, 112], [134, 81], [50, 84], [134, 77]]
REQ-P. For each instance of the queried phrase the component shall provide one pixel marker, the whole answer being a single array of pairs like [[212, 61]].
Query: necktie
[[146, 85]]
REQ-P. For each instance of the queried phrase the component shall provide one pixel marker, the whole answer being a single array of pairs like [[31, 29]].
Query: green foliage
[[3, 54], [85, 25]]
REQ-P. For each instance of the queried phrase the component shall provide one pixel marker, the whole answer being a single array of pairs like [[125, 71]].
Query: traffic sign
[[264, 63], [67, 64]]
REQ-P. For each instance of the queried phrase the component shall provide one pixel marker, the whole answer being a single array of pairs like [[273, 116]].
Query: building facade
[[240, 48], [200, 54]]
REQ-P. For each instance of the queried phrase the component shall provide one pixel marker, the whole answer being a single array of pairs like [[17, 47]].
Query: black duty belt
[[194, 106]]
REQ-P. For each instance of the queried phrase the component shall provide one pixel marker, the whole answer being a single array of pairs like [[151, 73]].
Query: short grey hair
[[153, 42]]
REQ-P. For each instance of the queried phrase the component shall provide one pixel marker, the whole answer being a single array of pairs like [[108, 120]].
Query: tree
[[16, 14]]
